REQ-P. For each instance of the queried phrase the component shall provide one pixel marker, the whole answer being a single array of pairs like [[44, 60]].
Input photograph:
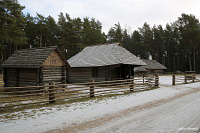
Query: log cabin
[[34, 66], [152, 67], [102, 62]]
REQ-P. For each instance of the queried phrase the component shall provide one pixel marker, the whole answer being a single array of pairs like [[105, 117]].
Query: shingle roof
[[151, 64], [140, 69], [103, 55], [28, 58]]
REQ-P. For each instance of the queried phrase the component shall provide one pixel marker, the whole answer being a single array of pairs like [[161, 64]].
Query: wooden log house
[[102, 62], [34, 66], [152, 67]]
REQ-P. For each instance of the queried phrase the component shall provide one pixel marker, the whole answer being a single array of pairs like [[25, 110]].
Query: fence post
[[185, 79], [92, 89], [143, 78], [173, 79], [193, 77], [132, 85], [51, 92], [156, 80]]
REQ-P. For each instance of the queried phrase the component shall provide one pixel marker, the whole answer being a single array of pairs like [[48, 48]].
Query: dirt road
[[180, 113]]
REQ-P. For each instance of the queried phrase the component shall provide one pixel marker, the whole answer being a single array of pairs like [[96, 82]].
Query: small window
[[95, 72]]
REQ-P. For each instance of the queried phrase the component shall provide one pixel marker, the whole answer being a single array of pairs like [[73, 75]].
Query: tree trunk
[[178, 62], [174, 63], [190, 63], [63, 44], [194, 61]]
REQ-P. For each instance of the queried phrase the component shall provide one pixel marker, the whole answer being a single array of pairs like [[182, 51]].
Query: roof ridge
[[102, 44], [36, 48]]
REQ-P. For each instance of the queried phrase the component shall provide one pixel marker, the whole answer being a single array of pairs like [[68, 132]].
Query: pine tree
[[115, 34], [11, 27], [147, 39], [52, 31], [31, 30], [189, 29], [136, 46], [126, 39]]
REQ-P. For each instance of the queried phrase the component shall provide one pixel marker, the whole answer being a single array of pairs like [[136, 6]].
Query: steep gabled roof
[[29, 58], [151, 64], [140, 69], [103, 55]]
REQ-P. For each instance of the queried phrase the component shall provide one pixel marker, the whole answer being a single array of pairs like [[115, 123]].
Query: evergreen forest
[[175, 45]]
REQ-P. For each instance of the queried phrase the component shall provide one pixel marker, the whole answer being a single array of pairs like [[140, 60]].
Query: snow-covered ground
[[165, 80], [161, 110]]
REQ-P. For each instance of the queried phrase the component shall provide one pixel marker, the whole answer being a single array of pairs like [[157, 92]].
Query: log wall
[[86, 74], [80, 75], [10, 77], [57, 74], [154, 71], [101, 74], [20, 77], [27, 77], [53, 69]]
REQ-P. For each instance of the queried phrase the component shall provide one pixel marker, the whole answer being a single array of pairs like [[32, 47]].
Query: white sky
[[130, 13]]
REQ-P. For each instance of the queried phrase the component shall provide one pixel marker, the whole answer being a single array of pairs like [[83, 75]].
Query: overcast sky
[[130, 13]]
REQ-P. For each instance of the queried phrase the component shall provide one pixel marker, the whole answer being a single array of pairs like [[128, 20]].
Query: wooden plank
[[53, 60], [53, 74]]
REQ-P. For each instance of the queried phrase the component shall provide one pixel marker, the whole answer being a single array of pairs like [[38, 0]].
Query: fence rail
[[185, 79], [1, 81], [12, 97]]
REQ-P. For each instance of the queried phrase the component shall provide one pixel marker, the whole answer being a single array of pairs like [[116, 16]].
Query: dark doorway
[[123, 72], [126, 71]]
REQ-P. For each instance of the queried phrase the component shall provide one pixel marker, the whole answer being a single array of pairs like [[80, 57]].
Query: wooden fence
[[13, 97], [1, 81], [185, 78]]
